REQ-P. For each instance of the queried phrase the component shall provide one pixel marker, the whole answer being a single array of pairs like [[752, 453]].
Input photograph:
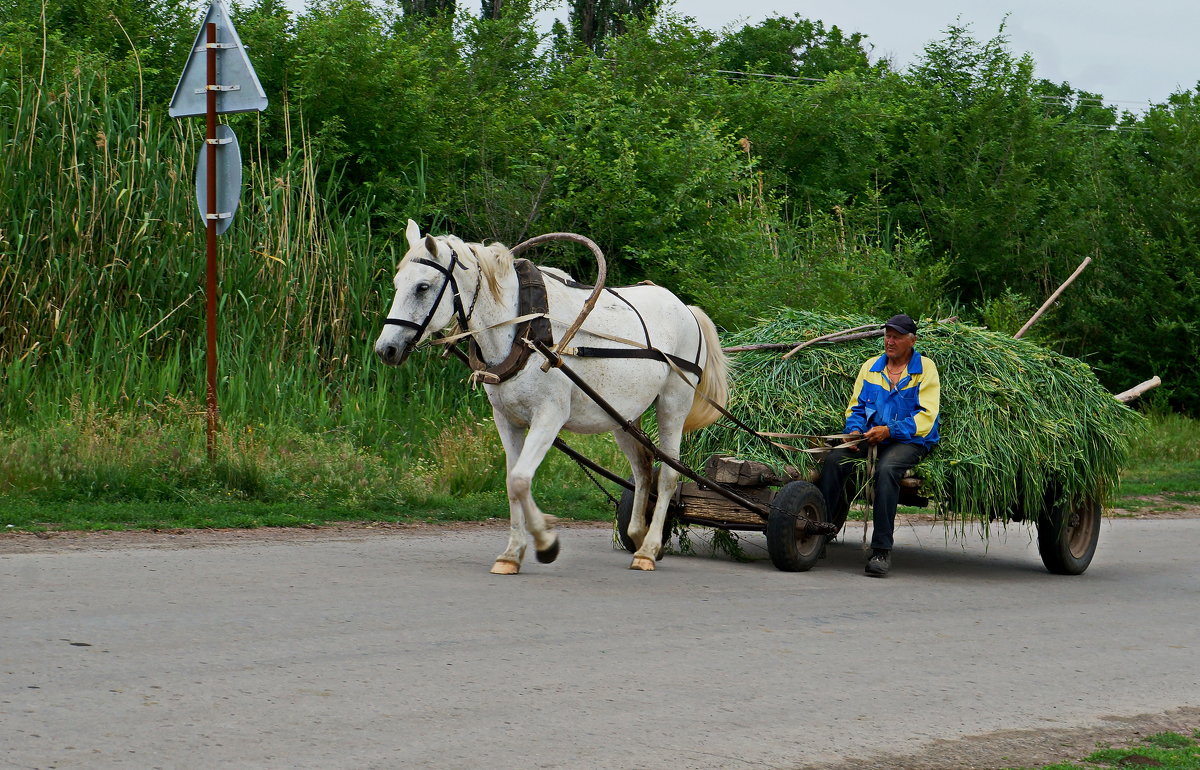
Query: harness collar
[[531, 298]]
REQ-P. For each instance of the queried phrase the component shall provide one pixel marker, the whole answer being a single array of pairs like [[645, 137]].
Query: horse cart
[[439, 285], [747, 496]]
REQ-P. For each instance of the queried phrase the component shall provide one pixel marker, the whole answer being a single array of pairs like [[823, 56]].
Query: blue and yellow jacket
[[910, 411]]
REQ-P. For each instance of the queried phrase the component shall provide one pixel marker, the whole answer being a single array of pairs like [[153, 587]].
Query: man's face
[[898, 345]]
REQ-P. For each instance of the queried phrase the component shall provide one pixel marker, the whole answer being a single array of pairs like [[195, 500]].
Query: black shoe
[[879, 563]]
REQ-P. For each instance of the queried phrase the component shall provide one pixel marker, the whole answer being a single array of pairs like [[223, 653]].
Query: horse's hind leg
[[640, 461], [673, 406]]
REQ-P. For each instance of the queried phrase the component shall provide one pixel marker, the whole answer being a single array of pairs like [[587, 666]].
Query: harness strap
[[577, 285], [692, 366], [449, 281], [654, 353]]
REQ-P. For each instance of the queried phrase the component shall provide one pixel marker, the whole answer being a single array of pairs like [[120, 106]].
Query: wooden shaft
[[593, 466], [827, 339], [806, 343]]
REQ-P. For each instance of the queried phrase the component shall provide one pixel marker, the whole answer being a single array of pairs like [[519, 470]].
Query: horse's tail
[[714, 381]]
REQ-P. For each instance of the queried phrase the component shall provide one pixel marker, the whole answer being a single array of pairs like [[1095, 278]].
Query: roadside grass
[[1169, 751], [37, 516], [1163, 473], [146, 468]]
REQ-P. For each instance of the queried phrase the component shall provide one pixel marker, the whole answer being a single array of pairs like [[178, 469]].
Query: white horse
[[443, 280]]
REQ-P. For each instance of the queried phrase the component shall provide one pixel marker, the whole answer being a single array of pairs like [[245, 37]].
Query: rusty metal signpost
[[218, 78]]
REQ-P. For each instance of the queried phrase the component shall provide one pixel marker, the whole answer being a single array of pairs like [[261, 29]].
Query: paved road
[[396, 650]]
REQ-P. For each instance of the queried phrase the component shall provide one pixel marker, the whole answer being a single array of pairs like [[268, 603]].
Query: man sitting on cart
[[895, 407]]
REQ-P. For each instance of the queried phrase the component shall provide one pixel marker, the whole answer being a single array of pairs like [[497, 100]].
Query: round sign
[[229, 178]]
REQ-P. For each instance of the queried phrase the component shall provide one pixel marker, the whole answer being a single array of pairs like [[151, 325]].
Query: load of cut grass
[[1017, 420]]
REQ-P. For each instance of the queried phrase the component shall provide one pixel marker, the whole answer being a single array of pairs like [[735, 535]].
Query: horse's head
[[427, 295]]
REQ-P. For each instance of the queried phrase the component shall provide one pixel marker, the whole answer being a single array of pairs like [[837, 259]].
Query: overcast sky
[[1133, 53]]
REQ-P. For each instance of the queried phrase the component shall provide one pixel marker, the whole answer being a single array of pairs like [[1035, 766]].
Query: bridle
[[448, 281]]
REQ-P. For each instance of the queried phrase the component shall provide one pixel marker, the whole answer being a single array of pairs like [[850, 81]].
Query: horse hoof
[[550, 554], [505, 567], [642, 563]]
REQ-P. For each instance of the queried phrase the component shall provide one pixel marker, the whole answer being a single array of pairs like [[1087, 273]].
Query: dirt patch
[[1159, 507], [108, 540], [1029, 748], [25, 542]]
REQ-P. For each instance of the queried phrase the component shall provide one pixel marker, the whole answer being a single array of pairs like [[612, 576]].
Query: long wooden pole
[[211, 226], [1045, 305]]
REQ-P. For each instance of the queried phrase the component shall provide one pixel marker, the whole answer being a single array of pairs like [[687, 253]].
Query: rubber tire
[[1067, 547], [624, 516], [790, 550]]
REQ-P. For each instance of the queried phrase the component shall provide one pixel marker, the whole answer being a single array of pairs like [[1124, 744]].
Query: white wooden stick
[[1087, 261], [1138, 390]]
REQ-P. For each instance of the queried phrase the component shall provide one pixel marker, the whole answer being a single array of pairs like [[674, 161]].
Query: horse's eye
[[422, 287]]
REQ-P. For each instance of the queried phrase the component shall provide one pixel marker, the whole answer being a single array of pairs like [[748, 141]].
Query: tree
[[442, 10], [594, 21], [494, 10], [796, 47]]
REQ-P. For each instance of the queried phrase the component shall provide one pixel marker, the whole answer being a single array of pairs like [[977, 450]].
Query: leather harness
[[532, 300]]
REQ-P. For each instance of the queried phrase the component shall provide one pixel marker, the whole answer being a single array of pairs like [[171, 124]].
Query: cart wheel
[[1067, 538], [791, 546]]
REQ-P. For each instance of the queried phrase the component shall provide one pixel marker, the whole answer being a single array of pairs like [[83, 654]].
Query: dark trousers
[[893, 460]]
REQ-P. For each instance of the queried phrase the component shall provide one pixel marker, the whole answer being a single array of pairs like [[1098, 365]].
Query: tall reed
[[102, 270]]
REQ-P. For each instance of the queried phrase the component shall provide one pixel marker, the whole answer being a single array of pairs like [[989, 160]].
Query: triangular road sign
[[239, 89]]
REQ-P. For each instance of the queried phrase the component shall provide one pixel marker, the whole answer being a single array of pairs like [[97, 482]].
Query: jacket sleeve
[[856, 411], [920, 422]]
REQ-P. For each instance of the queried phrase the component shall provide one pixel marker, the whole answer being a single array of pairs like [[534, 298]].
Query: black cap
[[902, 324]]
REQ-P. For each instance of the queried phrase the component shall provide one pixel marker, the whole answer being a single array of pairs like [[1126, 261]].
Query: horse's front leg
[[513, 439], [524, 453]]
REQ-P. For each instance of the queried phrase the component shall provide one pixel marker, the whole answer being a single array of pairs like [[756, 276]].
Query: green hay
[[1016, 419]]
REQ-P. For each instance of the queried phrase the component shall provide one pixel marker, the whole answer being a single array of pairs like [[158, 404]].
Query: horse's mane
[[493, 261]]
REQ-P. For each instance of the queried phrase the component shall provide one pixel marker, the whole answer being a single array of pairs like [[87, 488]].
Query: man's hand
[[878, 434]]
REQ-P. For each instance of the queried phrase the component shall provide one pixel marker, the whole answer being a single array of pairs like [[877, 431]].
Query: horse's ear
[[412, 234], [431, 245]]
